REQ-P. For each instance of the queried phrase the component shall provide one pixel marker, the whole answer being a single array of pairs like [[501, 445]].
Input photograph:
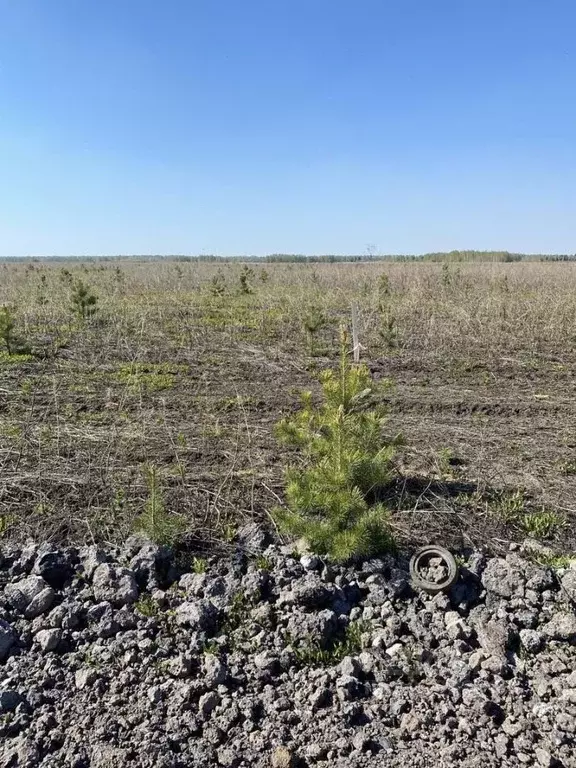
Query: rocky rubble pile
[[135, 657]]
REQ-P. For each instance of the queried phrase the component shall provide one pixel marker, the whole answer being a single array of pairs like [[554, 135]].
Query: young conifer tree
[[344, 461], [7, 329]]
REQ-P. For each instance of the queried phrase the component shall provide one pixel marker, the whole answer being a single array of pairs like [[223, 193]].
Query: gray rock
[[155, 694], [501, 578], [215, 671], [350, 667], [540, 579], [21, 593], [502, 745], [512, 727], [114, 584], [409, 723], [562, 626], [54, 566], [543, 757], [310, 562], [531, 640], [361, 742], [48, 639], [144, 564], [7, 638], [399, 583], [10, 700], [40, 603], [311, 593], [320, 697], [313, 628], [200, 615], [456, 627], [348, 688], [227, 758], [252, 538], [90, 558], [194, 584], [85, 677], [568, 582], [208, 703], [181, 666], [107, 756], [282, 757], [495, 636], [266, 661]]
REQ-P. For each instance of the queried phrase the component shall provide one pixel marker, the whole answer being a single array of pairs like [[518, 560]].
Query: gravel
[[119, 657]]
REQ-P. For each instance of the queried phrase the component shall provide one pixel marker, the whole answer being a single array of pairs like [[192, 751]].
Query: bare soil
[[482, 423]]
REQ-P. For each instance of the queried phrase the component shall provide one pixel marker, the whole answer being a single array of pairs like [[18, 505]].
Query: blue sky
[[301, 126]]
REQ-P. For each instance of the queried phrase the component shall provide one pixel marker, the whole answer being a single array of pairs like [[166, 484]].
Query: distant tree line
[[291, 258]]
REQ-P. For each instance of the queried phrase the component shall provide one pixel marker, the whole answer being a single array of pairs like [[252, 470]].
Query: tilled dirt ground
[[489, 428]]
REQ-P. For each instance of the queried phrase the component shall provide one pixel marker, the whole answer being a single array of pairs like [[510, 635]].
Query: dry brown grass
[[170, 374]]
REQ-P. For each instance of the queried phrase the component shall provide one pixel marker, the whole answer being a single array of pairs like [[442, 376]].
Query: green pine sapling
[[7, 329], [344, 462], [83, 300]]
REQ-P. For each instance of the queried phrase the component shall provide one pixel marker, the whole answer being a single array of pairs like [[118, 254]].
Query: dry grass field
[[185, 367]]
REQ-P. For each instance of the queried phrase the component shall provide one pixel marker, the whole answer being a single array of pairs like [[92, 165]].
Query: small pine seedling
[[155, 521], [313, 321], [218, 284], [246, 278], [83, 300], [7, 329], [344, 463]]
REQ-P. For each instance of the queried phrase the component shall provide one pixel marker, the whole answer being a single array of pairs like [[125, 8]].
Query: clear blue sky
[[309, 126]]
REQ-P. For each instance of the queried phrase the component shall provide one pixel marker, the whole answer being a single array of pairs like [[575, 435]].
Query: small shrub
[[155, 521], [345, 462], [83, 301], [66, 276]]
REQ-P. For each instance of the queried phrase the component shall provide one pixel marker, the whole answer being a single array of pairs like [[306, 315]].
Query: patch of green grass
[[199, 565], [11, 430], [445, 457], [543, 524], [211, 648], [146, 606], [152, 377], [508, 506], [568, 467], [235, 622], [553, 560], [231, 403], [264, 563], [5, 522], [14, 358]]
